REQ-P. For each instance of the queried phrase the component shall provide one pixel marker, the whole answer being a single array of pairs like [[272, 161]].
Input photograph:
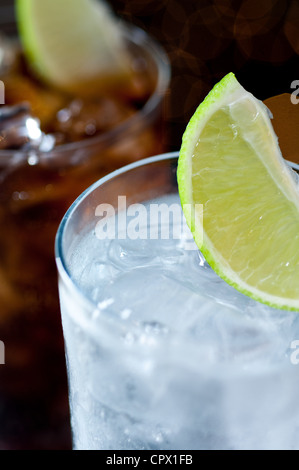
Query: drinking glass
[[161, 353]]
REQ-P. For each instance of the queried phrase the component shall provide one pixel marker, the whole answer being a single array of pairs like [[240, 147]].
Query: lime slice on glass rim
[[230, 162], [71, 43]]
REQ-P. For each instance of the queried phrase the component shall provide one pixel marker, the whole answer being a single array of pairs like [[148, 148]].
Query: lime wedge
[[71, 43], [230, 162]]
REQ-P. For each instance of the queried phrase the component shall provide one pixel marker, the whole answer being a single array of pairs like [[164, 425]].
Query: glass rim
[[141, 38], [62, 268]]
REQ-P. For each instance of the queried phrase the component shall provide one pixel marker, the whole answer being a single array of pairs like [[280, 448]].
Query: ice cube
[[82, 118], [19, 129]]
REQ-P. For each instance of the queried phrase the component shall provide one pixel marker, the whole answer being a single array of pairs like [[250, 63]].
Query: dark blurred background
[[205, 39], [258, 40]]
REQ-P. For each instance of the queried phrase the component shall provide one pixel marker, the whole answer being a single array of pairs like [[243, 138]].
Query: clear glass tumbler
[[161, 353], [36, 188]]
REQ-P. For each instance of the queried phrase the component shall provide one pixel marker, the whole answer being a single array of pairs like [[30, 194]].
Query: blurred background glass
[[36, 188]]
